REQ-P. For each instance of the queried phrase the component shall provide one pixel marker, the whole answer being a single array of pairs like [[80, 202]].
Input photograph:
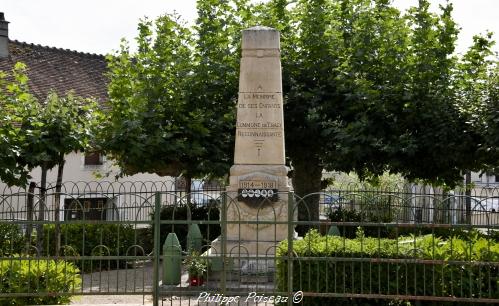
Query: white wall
[[75, 171], [13, 205]]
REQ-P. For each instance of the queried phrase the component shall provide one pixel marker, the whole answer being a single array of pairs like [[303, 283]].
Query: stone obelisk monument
[[258, 179]]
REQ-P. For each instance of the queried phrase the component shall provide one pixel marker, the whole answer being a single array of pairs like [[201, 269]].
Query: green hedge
[[48, 278], [323, 272], [208, 212], [12, 240], [395, 230], [85, 240], [352, 215]]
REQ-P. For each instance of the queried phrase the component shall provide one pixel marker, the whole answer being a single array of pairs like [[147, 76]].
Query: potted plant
[[196, 266]]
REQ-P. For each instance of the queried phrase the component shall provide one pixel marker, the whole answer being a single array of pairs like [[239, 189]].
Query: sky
[[97, 26]]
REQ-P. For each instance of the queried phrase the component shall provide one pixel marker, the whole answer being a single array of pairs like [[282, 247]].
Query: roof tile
[[61, 70]]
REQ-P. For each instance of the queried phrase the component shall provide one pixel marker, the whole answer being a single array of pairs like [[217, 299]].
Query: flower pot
[[196, 280]]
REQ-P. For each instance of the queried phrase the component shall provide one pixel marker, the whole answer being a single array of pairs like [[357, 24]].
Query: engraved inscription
[[258, 134], [255, 125], [259, 105], [250, 128], [257, 184], [260, 117], [257, 95]]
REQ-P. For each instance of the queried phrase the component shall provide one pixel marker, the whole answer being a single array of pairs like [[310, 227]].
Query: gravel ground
[[137, 280], [128, 300], [132, 280]]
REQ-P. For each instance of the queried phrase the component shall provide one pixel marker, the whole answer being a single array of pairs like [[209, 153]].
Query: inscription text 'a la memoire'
[[259, 100], [259, 96]]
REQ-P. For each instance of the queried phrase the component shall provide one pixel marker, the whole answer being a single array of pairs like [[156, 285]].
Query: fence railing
[[366, 247]]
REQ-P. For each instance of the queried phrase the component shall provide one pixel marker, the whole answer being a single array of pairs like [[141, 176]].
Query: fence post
[[157, 247], [290, 245], [468, 197], [223, 238], [29, 217]]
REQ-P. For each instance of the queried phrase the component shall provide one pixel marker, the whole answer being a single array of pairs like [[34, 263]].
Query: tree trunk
[[447, 211], [57, 199], [188, 190], [41, 210], [307, 175], [29, 212], [468, 197]]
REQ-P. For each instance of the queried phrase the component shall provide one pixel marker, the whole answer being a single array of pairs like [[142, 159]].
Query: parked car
[[199, 198], [490, 204], [198, 195], [332, 200]]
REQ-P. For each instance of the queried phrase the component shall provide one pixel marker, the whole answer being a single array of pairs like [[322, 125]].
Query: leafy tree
[[370, 90], [343, 73], [172, 102], [492, 118], [151, 127], [36, 134], [39, 134], [61, 125], [366, 89], [476, 86], [214, 83], [477, 95], [16, 103]]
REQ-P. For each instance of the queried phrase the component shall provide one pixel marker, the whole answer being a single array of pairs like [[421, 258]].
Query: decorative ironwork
[[373, 246]]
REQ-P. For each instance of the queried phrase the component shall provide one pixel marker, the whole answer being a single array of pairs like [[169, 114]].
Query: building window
[[85, 209], [93, 159]]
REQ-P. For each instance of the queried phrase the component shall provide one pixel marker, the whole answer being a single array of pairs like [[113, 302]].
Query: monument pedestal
[[257, 218], [259, 222]]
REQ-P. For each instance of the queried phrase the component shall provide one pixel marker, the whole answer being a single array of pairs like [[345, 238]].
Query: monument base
[[258, 221], [255, 225], [240, 265]]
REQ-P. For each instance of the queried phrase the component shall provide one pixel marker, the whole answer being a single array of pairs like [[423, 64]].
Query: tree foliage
[[60, 126], [367, 88], [172, 102], [477, 83], [150, 125], [16, 103], [39, 133], [370, 89]]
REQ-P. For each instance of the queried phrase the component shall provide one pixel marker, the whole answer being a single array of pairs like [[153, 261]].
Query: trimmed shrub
[[355, 266], [145, 238], [48, 278], [395, 230], [94, 240], [352, 215], [209, 212]]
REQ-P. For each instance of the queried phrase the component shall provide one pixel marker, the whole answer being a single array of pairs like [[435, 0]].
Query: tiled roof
[[60, 70]]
